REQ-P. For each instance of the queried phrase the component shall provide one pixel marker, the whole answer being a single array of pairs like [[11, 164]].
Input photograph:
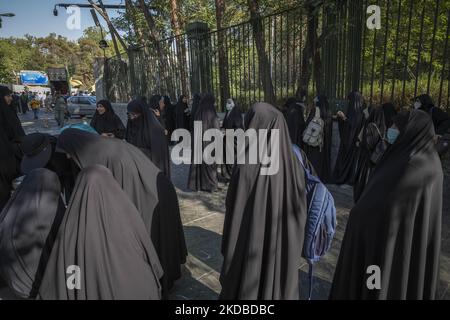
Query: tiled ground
[[203, 215]]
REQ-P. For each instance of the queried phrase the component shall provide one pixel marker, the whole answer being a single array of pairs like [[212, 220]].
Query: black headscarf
[[10, 154], [108, 122], [153, 102], [295, 120], [28, 227], [441, 119], [396, 224], [204, 176], [233, 120], [321, 157], [389, 113], [370, 138], [401, 120], [147, 134], [264, 221], [9, 168], [103, 234], [195, 104], [181, 117], [9, 120], [347, 160], [148, 188], [426, 101], [168, 115]]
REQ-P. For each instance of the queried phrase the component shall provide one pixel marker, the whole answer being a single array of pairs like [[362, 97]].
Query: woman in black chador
[[28, 227], [233, 120], [374, 132], [182, 119], [389, 112], [204, 176], [167, 115], [11, 134], [102, 234], [441, 119], [295, 120], [320, 157], [145, 132], [396, 224], [148, 188], [350, 126], [106, 122], [195, 103], [264, 222], [8, 169]]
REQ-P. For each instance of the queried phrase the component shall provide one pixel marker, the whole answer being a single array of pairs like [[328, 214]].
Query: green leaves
[[31, 53]]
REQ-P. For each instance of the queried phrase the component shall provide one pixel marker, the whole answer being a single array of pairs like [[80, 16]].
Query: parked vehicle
[[83, 106], [59, 80]]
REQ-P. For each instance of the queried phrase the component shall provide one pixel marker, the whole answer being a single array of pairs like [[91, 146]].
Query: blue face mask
[[392, 135]]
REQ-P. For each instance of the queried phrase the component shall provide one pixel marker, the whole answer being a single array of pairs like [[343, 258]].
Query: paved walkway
[[203, 216]]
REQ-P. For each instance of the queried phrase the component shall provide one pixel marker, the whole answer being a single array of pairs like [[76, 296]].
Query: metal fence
[[409, 55]]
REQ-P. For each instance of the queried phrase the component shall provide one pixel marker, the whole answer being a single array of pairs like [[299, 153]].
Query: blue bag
[[321, 221]]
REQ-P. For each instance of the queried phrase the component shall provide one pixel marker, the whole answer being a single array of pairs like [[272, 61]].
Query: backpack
[[321, 220], [313, 134]]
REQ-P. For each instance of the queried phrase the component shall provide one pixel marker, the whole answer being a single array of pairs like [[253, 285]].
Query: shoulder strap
[[378, 130], [298, 154], [317, 113]]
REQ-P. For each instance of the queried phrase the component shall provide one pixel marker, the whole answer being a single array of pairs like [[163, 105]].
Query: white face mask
[[316, 100], [417, 105], [229, 105]]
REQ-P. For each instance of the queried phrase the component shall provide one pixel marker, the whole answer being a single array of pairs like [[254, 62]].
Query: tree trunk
[[264, 66], [155, 39], [181, 48], [223, 57], [311, 55]]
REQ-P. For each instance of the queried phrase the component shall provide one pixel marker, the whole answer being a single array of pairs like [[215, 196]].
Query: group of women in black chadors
[[391, 159], [92, 206], [108, 205]]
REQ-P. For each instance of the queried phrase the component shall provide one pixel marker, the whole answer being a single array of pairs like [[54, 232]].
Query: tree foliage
[[39, 53]]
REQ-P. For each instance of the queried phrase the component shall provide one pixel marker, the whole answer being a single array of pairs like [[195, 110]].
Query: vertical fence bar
[[288, 49], [436, 15], [374, 50], [256, 82], [444, 62], [363, 56], [250, 49], [386, 24], [239, 65], [394, 78], [300, 48], [275, 47], [338, 49], [419, 51], [344, 50], [281, 82], [249, 67], [257, 61], [407, 50]]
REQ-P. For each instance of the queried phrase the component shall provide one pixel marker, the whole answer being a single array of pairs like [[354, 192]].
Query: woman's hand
[[341, 115], [108, 135]]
